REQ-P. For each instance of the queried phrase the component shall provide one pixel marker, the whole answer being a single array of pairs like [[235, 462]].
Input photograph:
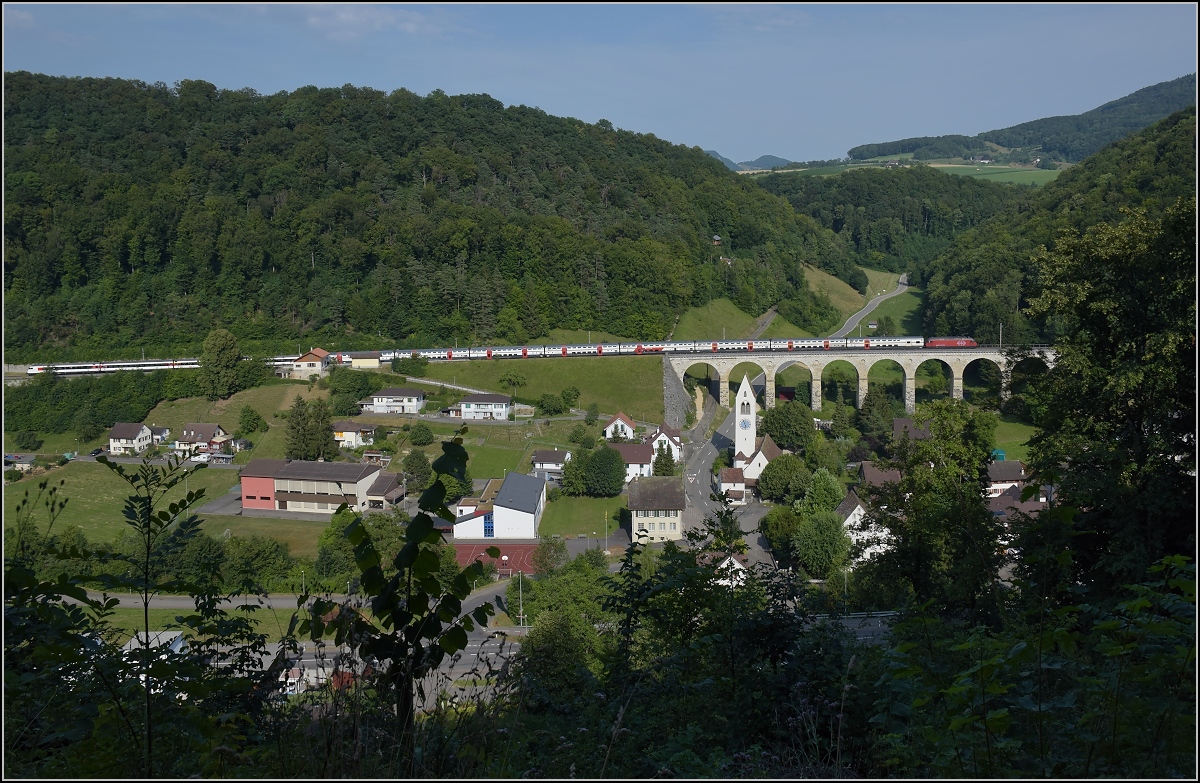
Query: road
[[853, 321]]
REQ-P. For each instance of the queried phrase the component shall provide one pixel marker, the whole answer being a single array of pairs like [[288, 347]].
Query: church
[[750, 452]]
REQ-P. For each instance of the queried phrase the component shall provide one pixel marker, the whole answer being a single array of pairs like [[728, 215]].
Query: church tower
[[745, 423]]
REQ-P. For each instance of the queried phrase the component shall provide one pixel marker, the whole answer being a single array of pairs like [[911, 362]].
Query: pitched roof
[[386, 485], [670, 432], [634, 453], [398, 391], [903, 426], [520, 492], [873, 476], [620, 417], [550, 456], [1006, 470], [321, 352], [364, 354], [732, 476], [847, 506], [1010, 500], [304, 470], [123, 430], [343, 426], [656, 493], [487, 398], [768, 449], [160, 432], [199, 432]]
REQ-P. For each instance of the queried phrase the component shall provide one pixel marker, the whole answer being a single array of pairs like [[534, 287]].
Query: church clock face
[[744, 424]]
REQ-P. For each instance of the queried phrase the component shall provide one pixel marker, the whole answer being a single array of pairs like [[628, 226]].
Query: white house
[[126, 438], [732, 482], [159, 434], [351, 435], [387, 490], [199, 437], [639, 459], [485, 406], [656, 508], [1004, 475], [852, 513], [514, 511], [315, 362], [394, 400], [669, 437], [619, 426], [551, 461]]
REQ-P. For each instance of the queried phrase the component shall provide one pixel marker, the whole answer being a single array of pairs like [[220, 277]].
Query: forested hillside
[[895, 218], [1068, 138], [987, 276], [141, 216]]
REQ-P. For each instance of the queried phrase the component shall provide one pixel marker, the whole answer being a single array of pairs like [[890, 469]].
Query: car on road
[[96, 452], [199, 458]]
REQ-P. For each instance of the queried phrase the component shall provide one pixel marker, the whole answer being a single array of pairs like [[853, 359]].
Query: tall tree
[[320, 430], [417, 468], [218, 364], [664, 463], [605, 476], [1118, 408], [297, 443], [790, 425]]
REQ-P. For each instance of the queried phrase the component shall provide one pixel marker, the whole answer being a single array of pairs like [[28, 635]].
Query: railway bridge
[[909, 359]]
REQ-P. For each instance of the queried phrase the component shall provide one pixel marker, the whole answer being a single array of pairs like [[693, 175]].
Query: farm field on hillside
[[717, 320], [1001, 173], [300, 535], [96, 496], [844, 298], [781, 327], [618, 383], [272, 443]]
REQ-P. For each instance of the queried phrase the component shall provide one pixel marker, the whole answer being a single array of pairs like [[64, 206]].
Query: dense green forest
[[1068, 138], [139, 215], [987, 274], [895, 218]]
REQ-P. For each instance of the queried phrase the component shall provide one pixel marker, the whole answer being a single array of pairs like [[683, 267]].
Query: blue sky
[[799, 81]]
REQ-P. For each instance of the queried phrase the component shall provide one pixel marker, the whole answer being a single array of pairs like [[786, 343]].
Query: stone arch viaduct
[[909, 360]]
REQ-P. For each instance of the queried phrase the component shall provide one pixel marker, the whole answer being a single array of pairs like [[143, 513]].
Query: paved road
[[698, 484], [853, 321]]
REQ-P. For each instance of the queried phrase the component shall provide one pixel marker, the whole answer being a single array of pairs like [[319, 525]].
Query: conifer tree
[[297, 430]]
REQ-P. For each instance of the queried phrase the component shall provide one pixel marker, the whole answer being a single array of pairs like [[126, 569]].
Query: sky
[[803, 82]]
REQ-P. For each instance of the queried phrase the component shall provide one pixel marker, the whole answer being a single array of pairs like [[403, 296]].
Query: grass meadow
[[717, 320], [844, 298], [96, 496], [905, 310], [571, 516], [632, 384], [1018, 176], [880, 282]]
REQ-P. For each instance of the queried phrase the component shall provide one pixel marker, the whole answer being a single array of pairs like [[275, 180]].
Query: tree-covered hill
[[1068, 138], [141, 216], [895, 218], [986, 275]]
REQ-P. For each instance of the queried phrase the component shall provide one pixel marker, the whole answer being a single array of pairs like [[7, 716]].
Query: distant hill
[[764, 162], [986, 274], [729, 164], [1069, 138]]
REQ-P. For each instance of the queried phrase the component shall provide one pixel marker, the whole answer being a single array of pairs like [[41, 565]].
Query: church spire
[[745, 421]]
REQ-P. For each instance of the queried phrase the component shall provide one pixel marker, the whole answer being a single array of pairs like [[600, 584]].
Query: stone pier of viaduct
[[909, 359]]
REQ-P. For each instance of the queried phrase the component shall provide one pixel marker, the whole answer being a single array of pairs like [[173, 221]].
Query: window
[[673, 527], [745, 407], [662, 525], [251, 497], [489, 528], [641, 525]]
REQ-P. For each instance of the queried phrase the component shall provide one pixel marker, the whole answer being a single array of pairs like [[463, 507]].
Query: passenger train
[[809, 344]]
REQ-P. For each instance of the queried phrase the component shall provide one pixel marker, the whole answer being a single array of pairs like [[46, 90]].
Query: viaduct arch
[[909, 360]]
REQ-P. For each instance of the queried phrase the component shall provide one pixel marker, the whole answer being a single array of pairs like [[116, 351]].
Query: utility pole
[[521, 598], [1002, 334]]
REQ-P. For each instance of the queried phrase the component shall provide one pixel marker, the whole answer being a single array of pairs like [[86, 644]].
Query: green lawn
[[300, 535], [1011, 437], [492, 461], [720, 319], [632, 384], [905, 310], [96, 496], [570, 516], [55, 444]]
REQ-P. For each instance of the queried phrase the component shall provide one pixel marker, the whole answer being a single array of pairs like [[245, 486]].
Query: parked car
[[96, 452], [200, 458]]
